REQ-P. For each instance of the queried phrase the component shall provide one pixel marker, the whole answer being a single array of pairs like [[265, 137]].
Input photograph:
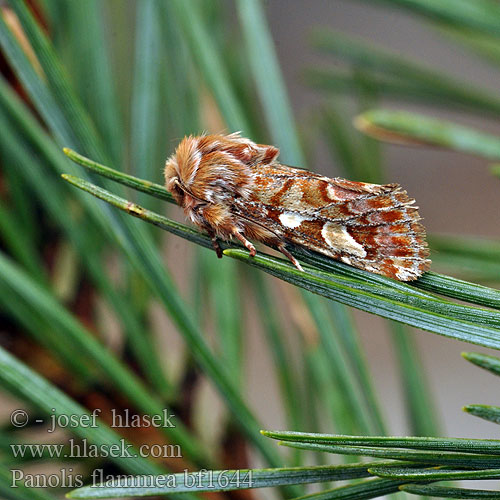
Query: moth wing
[[370, 226]]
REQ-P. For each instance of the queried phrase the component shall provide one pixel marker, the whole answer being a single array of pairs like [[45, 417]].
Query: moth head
[[214, 168]]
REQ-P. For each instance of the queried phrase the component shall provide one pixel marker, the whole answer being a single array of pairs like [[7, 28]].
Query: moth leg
[[215, 244], [286, 253], [217, 248], [245, 242]]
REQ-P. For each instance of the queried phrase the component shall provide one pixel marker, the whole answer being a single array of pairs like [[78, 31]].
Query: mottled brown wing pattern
[[370, 226]]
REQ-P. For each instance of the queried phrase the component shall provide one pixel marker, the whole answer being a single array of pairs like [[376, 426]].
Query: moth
[[232, 187]]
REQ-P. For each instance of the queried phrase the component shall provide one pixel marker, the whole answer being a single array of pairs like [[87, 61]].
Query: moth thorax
[[216, 168]]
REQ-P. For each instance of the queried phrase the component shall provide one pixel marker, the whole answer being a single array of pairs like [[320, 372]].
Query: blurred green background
[[110, 312]]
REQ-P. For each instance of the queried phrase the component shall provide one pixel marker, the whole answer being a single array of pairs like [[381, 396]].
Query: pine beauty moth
[[232, 187]]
